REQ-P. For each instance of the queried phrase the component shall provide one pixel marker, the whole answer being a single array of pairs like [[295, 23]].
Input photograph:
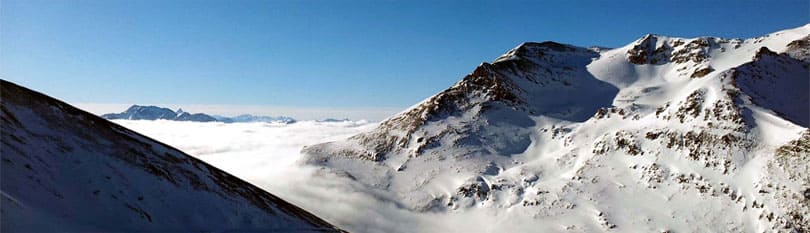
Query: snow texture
[[664, 134], [66, 170]]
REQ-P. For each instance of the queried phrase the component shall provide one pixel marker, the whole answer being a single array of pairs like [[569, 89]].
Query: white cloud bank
[[266, 154]]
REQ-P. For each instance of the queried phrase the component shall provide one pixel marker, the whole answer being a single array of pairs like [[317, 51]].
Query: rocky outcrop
[[799, 49]]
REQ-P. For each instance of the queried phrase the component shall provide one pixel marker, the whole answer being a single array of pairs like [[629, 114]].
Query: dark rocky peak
[[538, 50], [134, 108], [150, 109], [482, 85], [138, 112], [546, 45], [486, 78], [647, 51], [764, 52], [482, 70], [647, 39]]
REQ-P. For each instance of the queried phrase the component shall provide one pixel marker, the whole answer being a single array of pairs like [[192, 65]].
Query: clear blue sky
[[321, 53]]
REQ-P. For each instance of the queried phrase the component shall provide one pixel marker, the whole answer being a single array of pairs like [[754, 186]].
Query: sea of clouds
[[266, 155]]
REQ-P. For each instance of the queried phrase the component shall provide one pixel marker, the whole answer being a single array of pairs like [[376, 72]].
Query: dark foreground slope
[[64, 169]]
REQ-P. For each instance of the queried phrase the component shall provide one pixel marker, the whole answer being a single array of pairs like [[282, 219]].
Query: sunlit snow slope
[[67, 170], [664, 134]]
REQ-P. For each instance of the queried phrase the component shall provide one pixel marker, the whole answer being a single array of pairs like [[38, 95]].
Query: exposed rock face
[[659, 50], [561, 132], [799, 49], [700, 72], [64, 169], [792, 161], [648, 51]]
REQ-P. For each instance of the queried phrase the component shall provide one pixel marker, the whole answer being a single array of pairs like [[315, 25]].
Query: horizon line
[[370, 113]]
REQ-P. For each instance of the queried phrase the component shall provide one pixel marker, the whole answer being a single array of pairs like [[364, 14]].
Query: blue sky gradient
[[321, 53]]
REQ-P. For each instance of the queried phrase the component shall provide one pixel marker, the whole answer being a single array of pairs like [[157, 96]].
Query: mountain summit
[[663, 134], [137, 112]]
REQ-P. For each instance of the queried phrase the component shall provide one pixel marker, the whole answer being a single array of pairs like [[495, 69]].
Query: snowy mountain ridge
[[66, 170], [638, 138]]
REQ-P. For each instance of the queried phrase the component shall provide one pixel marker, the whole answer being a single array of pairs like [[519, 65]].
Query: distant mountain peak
[[138, 112]]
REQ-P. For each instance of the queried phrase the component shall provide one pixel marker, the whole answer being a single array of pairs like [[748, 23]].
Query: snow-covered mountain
[[138, 112], [663, 134], [66, 170]]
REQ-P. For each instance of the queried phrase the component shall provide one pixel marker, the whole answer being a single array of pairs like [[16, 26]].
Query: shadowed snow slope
[[67, 170], [701, 134]]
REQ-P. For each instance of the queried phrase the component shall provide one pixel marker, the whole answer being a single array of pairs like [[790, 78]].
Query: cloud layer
[[266, 154]]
